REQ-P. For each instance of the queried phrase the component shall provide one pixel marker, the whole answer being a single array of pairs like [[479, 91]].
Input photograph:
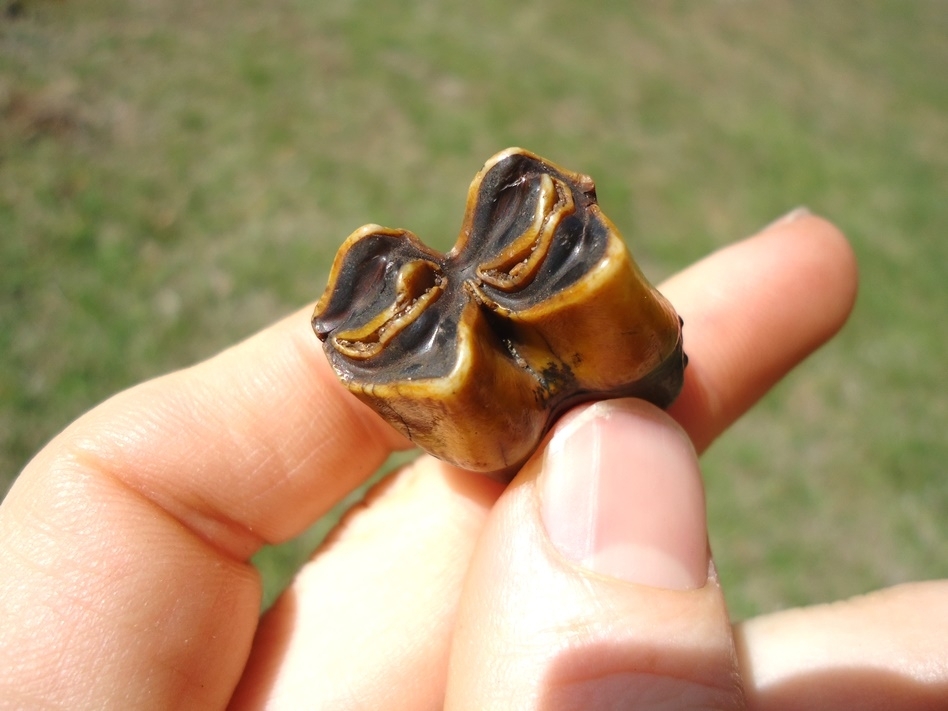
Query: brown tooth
[[473, 354]]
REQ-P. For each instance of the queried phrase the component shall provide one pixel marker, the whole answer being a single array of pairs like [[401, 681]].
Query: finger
[[882, 650], [249, 446], [387, 570], [752, 311], [589, 587], [370, 618], [123, 544]]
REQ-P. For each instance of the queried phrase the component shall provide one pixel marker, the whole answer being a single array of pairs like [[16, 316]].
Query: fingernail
[[792, 216], [621, 495]]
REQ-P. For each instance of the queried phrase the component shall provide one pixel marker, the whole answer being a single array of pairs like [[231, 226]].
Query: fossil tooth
[[473, 354]]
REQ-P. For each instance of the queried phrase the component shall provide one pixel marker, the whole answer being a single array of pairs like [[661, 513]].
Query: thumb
[[590, 586]]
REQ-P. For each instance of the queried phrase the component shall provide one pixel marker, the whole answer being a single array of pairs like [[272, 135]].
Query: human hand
[[124, 545]]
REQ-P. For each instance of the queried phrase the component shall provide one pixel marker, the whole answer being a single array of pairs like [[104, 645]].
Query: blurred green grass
[[174, 176]]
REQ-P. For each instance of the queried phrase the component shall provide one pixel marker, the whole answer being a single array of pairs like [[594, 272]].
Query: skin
[[124, 545]]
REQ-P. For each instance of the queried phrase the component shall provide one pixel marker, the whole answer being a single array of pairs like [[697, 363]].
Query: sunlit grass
[[175, 176]]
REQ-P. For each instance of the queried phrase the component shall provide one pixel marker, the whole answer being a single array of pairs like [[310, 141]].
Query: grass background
[[176, 175]]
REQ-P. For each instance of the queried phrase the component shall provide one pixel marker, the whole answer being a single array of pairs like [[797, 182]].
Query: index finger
[[249, 446]]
